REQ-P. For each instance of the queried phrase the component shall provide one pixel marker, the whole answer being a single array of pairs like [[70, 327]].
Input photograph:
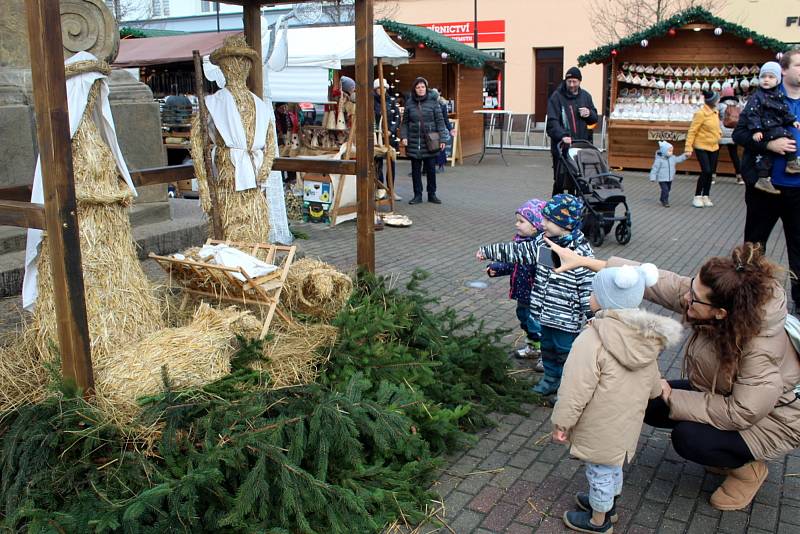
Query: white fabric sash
[[78, 88], [228, 122]]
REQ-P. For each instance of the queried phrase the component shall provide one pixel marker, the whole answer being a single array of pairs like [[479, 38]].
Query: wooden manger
[[234, 284]]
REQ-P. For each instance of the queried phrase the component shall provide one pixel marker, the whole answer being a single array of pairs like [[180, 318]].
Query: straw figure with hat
[[121, 304], [243, 142]]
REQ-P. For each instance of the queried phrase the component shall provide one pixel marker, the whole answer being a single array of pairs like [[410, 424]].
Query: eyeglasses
[[693, 295]]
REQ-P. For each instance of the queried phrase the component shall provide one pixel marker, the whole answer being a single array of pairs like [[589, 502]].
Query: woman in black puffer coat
[[422, 115]]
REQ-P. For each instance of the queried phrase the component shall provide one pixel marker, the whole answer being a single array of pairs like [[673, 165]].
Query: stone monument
[[85, 25]]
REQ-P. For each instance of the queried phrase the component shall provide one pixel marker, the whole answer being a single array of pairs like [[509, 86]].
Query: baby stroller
[[586, 171]]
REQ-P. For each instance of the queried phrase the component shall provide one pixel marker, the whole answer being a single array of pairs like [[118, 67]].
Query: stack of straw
[[316, 288], [121, 303]]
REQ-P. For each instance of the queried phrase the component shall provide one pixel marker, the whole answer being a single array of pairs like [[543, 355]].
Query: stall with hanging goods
[[657, 75]]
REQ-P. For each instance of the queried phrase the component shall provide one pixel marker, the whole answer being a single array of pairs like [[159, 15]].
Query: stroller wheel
[[597, 235], [623, 233]]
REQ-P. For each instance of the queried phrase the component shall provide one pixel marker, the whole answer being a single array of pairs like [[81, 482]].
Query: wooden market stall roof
[[694, 15], [458, 52], [58, 216]]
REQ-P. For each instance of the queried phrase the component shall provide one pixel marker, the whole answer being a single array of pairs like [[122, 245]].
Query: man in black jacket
[[570, 115]]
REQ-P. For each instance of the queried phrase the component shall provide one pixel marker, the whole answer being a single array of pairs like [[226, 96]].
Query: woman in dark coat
[[422, 115]]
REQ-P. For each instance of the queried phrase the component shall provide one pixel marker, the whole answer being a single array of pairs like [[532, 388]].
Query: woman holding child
[[737, 407]]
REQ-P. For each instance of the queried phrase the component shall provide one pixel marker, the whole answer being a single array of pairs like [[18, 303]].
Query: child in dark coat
[[768, 117], [528, 224]]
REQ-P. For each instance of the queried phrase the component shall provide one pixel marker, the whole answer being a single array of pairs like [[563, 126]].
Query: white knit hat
[[619, 288]]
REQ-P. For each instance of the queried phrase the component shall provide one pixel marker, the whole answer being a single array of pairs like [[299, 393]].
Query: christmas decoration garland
[[667, 26]]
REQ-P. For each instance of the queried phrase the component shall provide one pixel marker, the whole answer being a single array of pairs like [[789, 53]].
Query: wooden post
[[386, 136], [211, 180], [365, 145], [252, 34], [55, 151]]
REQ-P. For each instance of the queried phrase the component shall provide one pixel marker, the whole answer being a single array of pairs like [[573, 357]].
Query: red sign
[[489, 31]]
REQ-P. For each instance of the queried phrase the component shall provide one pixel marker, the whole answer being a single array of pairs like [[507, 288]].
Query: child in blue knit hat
[[663, 170], [559, 301], [611, 373], [528, 225], [767, 117]]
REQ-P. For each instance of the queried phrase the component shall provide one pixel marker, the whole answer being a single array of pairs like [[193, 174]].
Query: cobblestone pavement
[[513, 480]]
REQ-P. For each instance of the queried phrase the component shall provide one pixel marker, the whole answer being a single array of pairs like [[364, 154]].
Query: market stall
[[454, 68], [656, 77]]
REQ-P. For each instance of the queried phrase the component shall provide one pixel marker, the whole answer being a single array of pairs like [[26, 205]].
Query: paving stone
[[754, 530], [517, 528], [485, 499], [660, 490], [649, 514], [733, 522], [701, 524], [769, 494], [500, 517], [474, 483], [669, 526], [456, 501], [519, 492], [466, 521], [536, 472], [790, 515], [506, 477], [764, 516], [511, 444], [523, 458], [552, 453], [689, 486], [680, 508]]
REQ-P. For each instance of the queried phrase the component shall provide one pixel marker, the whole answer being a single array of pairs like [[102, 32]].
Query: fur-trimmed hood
[[635, 337]]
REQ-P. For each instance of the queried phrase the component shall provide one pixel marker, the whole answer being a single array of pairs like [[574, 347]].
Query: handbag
[[431, 138]]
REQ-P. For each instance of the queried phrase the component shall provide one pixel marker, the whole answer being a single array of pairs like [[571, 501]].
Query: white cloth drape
[[246, 160], [78, 88]]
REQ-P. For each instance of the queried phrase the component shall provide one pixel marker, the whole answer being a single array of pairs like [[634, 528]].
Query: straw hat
[[82, 67], [235, 45]]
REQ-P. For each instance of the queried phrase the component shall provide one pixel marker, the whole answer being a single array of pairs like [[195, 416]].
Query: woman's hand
[[572, 260], [666, 390], [782, 145]]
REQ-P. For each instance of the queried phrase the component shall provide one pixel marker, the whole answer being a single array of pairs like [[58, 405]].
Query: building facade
[[540, 39]]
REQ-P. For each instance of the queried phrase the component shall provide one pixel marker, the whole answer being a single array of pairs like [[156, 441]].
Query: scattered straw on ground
[[316, 288]]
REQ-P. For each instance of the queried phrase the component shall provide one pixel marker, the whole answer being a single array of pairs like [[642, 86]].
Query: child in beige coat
[[610, 374]]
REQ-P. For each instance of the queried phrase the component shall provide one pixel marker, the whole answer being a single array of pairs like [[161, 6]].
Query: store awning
[[603, 53], [457, 52], [172, 49]]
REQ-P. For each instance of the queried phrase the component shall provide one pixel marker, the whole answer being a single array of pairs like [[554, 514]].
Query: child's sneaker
[[793, 166], [530, 351], [582, 500], [580, 521], [765, 184], [546, 386]]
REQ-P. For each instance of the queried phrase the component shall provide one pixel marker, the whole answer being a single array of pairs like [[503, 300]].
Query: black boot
[[416, 200], [433, 198]]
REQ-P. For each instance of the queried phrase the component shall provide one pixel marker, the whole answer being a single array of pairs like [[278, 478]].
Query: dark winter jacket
[[743, 135], [558, 300], [563, 118], [521, 282], [393, 116], [422, 115], [768, 109]]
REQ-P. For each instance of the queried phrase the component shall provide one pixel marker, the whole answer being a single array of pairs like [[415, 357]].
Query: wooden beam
[[319, 166], [162, 175], [252, 34], [20, 193], [364, 126], [55, 151], [23, 214]]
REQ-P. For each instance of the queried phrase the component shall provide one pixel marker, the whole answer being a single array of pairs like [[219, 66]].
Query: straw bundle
[[244, 214], [316, 288], [23, 375], [191, 356], [121, 304], [294, 206]]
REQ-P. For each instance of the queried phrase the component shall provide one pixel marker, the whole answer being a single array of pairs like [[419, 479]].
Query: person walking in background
[[571, 115], [528, 224], [423, 132], [703, 138], [663, 170], [729, 108]]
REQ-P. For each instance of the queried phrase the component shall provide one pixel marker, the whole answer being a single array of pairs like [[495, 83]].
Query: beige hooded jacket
[[760, 402], [611, 372]]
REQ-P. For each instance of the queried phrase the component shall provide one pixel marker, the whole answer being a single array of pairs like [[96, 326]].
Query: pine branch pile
[[351, 454]]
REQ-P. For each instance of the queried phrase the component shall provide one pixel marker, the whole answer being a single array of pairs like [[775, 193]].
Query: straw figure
[[121, 303], [243, 143], [316, 288]]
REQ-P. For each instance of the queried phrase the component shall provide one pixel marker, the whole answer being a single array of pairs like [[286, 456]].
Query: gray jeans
[[605, 483]]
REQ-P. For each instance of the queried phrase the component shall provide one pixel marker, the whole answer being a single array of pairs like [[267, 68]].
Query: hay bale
[[294, 206], [316, 288], [23, 374], [295, 353], [191, 356], [121, 303]]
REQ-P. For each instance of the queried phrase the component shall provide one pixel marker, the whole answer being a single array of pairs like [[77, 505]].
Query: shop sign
[[665, 135], [489, 31]]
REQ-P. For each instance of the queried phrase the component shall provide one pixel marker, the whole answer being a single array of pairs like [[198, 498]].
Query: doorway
[[549, 71]]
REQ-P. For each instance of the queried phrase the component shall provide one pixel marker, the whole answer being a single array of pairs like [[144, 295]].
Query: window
[[205, 7]]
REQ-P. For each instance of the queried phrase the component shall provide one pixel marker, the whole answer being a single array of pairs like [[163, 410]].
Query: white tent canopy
[[311, 52]]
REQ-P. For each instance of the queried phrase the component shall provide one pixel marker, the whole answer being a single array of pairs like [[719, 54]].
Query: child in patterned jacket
[[528, 224], [559, 301]]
